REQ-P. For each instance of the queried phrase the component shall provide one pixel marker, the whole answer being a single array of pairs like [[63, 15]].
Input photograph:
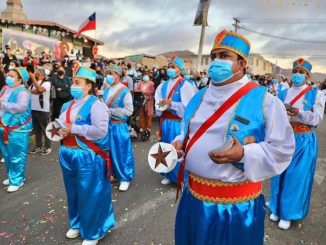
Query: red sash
[[91, 145], [302, 93], [174, 88], [208, 123], [168, 115], [115, 96], [4, 89], [6, 129]]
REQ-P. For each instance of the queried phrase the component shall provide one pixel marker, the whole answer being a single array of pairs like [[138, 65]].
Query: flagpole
[[95, 31]]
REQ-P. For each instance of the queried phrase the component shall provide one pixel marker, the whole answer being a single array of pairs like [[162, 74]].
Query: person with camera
[[41, 90], [29, 60], [8, 58]]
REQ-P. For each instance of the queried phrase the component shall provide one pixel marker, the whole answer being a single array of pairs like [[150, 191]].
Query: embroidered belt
[[113, 120], [223, 192], [170, 116], [299, 128]]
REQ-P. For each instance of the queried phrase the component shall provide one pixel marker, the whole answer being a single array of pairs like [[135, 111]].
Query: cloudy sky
[[156, 26]]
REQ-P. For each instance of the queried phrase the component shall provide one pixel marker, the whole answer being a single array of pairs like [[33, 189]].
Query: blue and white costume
[[119, 100], [84, 171], [171, 124], [268, 147], [15, 114], [291, 191]]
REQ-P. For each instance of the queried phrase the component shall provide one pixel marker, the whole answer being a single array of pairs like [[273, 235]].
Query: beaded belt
[[215, 191], [299, 128]]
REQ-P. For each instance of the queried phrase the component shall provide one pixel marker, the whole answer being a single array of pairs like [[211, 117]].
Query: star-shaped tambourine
[[160, 105], [162, 157], [52, 131]]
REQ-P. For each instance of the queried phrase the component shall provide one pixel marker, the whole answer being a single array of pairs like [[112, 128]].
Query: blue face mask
[[298, 79], [109, 79], [10, 81], [220, 71], [76, 92], [172, 73], [187, 77], [145, 78], [275, 81]]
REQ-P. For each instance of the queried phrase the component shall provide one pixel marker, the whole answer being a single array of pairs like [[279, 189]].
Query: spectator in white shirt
[[41, 90]]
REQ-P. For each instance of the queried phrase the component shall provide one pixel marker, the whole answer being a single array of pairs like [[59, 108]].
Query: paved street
[[37, 214]]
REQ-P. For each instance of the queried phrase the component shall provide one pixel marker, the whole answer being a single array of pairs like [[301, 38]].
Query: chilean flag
[[87, 25]]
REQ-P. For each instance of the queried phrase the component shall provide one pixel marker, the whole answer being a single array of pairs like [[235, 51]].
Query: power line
[[281, 38], [282, 21], [291, 56]]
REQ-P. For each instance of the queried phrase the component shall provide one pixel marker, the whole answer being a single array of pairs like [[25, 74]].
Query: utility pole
[[201, 43], [236, 24], [202, 12]]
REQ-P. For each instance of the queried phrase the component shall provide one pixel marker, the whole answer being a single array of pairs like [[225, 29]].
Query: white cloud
[[155, 26]]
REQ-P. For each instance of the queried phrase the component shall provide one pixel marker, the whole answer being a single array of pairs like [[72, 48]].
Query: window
[[257, 62]]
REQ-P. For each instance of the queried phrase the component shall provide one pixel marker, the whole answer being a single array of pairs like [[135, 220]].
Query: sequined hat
[[232, 41], [301, 63]]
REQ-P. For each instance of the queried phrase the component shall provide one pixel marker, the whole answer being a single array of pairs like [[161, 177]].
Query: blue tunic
[[171, 128], [15, 152], [122, 156], [88, 189], [199, 222], [291, 191]]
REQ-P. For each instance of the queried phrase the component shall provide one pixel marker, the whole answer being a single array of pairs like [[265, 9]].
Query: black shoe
[[46, 152], [36, 150]]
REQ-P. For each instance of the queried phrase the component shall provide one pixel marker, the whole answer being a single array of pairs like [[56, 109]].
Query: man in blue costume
[[176, 93], [223, 202], [118, 99], [15, 126], [291, 191]]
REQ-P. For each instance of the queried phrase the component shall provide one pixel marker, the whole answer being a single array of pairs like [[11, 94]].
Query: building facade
[[21, 34]]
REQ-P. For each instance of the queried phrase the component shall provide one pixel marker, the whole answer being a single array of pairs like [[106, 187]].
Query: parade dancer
[[84, 160], [223, 202], [291, 191], [274, 86], [176, 93], [15, 126], [119, 101]]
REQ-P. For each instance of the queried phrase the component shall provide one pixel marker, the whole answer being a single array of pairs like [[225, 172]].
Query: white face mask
[[47, 72], [11, 67]]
